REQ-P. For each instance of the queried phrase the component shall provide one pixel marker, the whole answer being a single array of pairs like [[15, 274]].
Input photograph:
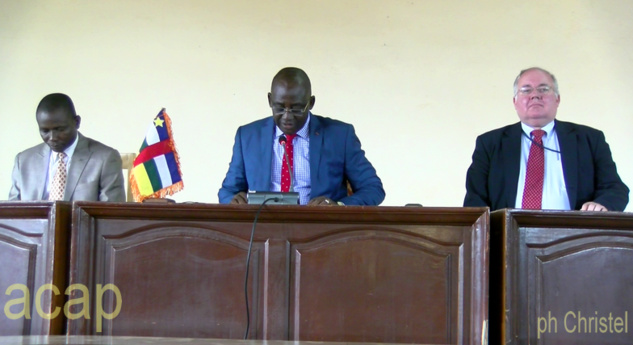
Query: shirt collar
[[70, 149], [549, 128]]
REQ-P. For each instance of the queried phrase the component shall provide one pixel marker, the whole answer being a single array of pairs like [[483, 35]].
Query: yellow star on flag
[[158, 122]]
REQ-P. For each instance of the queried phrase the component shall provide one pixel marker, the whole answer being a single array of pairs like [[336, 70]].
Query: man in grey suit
[[93, 169]]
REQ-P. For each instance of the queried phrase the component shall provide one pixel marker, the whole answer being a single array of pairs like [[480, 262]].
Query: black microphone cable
[[248, 261]]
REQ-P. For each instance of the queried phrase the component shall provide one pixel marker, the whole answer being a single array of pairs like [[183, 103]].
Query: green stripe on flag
[[154, 176], [142, 180]]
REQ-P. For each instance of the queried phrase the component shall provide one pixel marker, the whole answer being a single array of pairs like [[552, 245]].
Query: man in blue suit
[[579, 173], [327, 153]]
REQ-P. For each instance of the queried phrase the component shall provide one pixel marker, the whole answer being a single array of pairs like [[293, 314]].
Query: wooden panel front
[[175, 268], [379, 274], [98, 340], [177, 279], [413, 279], [33, 238], [568, 277]]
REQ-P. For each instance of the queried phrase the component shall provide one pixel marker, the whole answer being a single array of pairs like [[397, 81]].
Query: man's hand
[[592, 206], [239, 198], [323, 201]]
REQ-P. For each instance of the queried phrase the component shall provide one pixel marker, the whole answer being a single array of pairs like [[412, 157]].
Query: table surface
[[103, 340]]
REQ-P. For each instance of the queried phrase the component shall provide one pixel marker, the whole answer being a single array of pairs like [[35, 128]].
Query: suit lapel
[[77, 164], [511, 147], [41, 164], [568, 149], [316, 142], [266, 135]]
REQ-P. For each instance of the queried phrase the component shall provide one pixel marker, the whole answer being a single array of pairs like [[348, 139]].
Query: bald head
[[292, 77], [290, 99]]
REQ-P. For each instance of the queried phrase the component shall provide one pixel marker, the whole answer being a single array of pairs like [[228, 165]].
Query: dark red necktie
[[285, 173], [533, 192]]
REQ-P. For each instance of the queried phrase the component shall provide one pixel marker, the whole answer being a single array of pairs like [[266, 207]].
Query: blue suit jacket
[[589, 171], [335, 157]]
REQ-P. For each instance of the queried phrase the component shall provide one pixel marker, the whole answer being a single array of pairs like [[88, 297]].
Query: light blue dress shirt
[[301, 162], [554, 190]]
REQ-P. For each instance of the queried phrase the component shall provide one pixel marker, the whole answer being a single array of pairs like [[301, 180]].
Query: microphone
[[287, 198], [283, 141]]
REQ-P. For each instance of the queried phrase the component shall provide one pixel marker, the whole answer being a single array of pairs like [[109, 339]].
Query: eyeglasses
[[541, 90], [291, 111]]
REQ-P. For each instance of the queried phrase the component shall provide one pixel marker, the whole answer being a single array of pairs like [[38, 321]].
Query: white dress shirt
[[554, 190], [52, 162]]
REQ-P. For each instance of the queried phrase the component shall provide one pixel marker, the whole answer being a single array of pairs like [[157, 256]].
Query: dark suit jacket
[[95, 173], [589, 171], [335, 156]]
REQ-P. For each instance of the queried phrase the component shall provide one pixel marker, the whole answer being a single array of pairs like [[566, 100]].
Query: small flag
[[156, 171]]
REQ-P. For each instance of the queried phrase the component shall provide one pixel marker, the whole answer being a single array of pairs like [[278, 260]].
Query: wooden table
[[561, 277], [108, 340], [362, 274], [366, 274], [33, 254]]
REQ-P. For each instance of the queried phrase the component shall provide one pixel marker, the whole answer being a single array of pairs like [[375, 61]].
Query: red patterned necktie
[[58, 186], [285, 173], [533, 192]]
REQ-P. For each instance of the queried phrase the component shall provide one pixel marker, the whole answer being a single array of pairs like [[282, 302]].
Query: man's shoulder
[[499, 132], [318, 119], [39, 148], [329, 122], [96, 146], [571, 126], [257, 123], [330, 127]]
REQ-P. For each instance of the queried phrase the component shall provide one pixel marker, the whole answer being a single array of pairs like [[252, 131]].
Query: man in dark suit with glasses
[[543, 163], [325, 154]]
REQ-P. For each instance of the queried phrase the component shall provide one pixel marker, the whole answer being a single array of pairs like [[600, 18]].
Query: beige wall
[[418, 79]]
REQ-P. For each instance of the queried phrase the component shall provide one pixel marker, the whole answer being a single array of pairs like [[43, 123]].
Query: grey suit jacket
[[95, 173]]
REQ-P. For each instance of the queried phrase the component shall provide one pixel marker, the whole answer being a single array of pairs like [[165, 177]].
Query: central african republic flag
[[156, 171]]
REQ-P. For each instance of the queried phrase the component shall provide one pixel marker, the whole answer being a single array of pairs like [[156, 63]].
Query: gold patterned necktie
[[59, 180]]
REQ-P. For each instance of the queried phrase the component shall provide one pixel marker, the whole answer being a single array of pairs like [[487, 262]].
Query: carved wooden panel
[[379, 274], [33, 240], [177, 279], [413, 279], [567, 277]]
